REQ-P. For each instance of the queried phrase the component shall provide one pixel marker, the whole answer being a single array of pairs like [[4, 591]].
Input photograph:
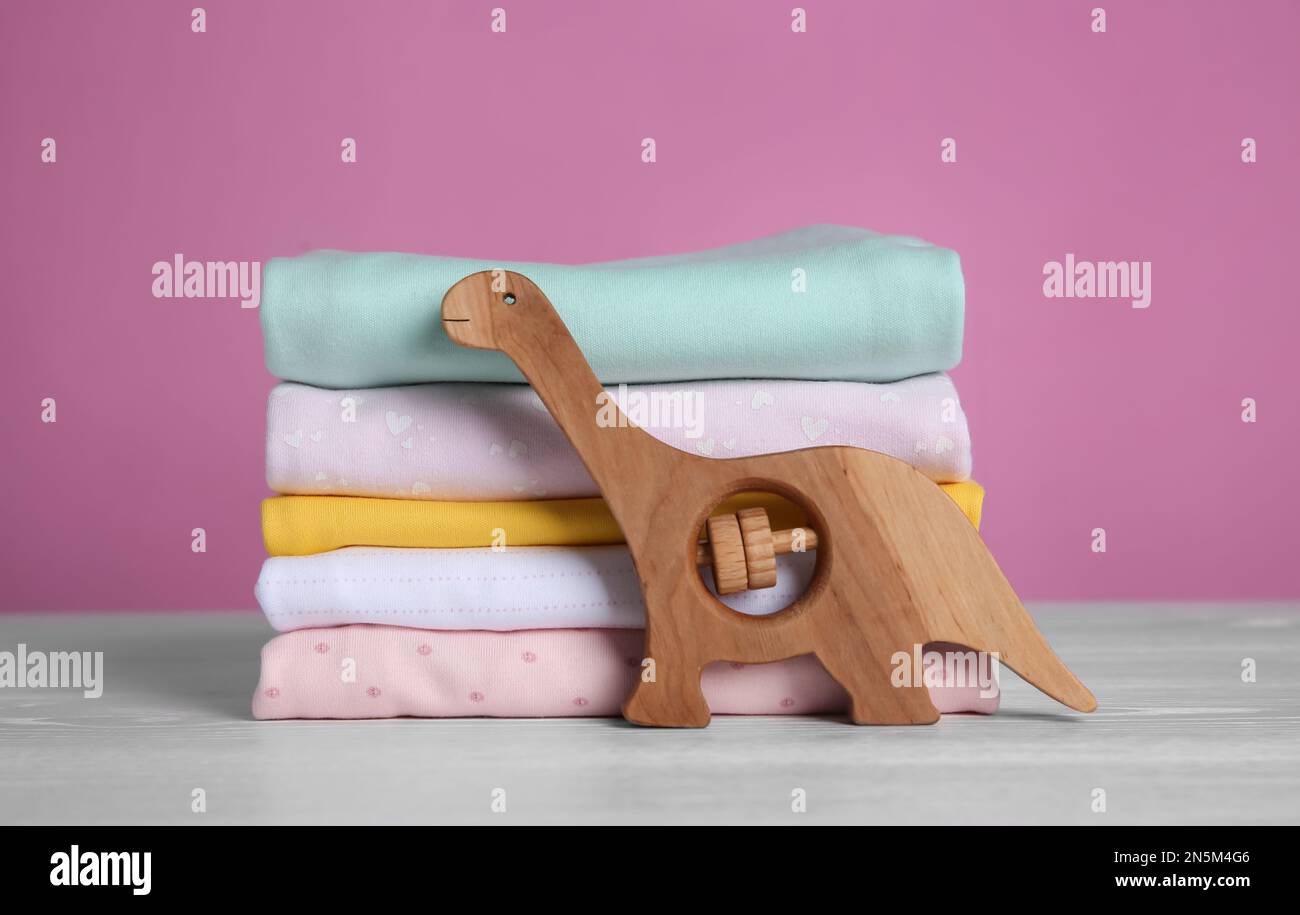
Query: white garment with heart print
[[496, 441]]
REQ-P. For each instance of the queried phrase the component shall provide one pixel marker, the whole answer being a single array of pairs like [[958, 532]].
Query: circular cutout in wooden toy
[[727, 549]]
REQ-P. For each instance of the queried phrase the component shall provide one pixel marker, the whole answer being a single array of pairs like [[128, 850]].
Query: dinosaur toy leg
[[859, 623], [673, 698], [873, 696]]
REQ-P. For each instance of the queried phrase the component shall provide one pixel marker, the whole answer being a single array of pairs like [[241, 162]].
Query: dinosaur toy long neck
[[616, 453]]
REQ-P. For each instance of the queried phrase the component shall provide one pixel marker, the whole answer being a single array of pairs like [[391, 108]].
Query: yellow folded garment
[[300, 525]]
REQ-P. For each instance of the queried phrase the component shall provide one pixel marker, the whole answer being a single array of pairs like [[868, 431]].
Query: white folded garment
[[482, 442], [535, 587]]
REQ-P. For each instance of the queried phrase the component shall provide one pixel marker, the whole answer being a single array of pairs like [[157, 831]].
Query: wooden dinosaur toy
[[898, 564]]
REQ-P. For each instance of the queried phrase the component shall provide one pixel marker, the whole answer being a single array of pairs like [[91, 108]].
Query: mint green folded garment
[[874, 308]]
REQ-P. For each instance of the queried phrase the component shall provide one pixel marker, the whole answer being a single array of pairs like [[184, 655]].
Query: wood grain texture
[[760, 554], [727, 554], [898, 565]]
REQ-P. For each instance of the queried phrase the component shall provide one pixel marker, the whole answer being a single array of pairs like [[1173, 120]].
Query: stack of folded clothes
[[438, 548]]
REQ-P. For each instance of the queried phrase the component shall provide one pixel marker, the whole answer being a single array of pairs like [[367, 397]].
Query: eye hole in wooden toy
[[757, 552], [509, 298]]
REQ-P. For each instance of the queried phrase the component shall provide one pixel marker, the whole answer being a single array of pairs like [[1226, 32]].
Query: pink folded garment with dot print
[[394, 672], [486, 442]]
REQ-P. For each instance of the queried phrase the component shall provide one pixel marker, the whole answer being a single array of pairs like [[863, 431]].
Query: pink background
[[225, 146]]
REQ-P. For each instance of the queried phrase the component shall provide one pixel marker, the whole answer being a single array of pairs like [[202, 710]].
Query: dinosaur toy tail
[[955, 584]]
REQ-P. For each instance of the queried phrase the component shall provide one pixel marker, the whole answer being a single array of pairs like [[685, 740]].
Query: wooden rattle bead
[[727, 547], [747, 538], [760, 555]]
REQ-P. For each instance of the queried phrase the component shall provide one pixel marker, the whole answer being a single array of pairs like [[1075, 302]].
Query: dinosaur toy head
[[480, 310]]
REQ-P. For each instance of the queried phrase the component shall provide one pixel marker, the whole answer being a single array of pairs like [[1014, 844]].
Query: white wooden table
[[1179, 738]]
